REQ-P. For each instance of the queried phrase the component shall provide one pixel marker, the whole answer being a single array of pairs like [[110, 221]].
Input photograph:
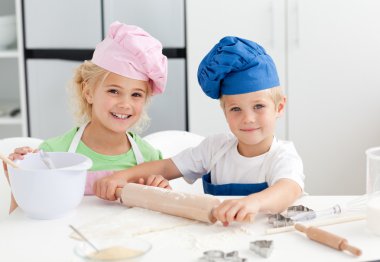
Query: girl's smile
[[120, 116], [118, 102]]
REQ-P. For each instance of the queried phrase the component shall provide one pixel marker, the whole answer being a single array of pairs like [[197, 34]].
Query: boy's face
[[252, 119]]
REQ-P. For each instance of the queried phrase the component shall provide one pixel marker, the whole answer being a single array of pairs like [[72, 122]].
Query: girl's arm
[[18, 153], [105, 188], [13, 204]]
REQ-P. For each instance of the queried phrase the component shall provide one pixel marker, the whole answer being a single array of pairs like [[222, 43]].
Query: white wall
[[328, 56]]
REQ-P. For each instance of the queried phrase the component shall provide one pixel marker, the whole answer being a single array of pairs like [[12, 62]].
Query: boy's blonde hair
[[90, 75], [276, 93]]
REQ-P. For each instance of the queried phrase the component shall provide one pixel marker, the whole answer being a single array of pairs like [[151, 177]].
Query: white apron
[[92, 176], [74, 144]]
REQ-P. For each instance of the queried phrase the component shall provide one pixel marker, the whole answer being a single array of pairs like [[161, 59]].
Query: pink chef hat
[[131, 52]]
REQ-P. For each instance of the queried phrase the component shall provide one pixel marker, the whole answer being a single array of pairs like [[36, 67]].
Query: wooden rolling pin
[[328, 239], [197, 207]]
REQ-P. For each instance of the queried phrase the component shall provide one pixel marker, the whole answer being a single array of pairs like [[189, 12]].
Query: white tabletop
[[25, 239]]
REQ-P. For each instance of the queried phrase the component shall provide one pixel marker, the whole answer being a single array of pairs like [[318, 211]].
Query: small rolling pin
[[197, 207], [328, 239]]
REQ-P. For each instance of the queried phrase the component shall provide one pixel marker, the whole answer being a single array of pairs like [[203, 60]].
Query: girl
[[111, 92]]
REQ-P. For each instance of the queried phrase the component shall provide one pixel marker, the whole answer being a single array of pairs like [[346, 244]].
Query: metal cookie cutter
[[220, 256], [278, 220], [295, 210], [262, 247]]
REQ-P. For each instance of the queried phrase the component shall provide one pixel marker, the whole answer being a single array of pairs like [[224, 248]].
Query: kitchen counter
[[174, 239]]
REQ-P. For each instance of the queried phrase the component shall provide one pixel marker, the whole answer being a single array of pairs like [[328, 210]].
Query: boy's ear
[[281, 107], [87, 93]]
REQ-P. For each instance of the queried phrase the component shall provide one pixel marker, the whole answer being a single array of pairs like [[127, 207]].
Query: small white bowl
[[7, 30], [131, 249], [44, 193]]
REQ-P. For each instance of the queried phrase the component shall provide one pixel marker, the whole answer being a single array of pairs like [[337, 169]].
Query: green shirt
[[102, 162]]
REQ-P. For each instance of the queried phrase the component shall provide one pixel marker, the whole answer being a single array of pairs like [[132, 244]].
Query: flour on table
[[133, 222]]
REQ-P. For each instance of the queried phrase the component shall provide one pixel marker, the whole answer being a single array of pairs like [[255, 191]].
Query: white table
[[25, 239]]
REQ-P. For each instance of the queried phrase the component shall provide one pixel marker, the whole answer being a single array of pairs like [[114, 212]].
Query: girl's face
[[118, 102], [252, 119]]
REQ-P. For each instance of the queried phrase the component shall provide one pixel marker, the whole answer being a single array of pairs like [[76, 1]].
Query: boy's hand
[[239, 210], [105, 187], [157, 181], [19, 152]]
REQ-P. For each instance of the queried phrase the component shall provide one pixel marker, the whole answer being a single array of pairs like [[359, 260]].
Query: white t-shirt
[[219, 155]]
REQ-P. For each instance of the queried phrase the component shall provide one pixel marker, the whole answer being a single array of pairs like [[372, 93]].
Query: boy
[[250, 161]]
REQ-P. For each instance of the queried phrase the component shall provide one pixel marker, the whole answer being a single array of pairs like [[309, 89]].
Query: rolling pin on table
[[328, 239], [197, 207]]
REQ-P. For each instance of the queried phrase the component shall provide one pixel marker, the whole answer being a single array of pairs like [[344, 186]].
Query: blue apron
[[233, 189]]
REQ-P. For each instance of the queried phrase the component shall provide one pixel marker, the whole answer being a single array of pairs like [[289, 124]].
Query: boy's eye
[[235, 109], [259, 106]]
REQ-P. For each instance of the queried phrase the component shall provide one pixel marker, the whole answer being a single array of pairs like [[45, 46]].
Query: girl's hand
[[105, 187], [155, 180], [19, 153], [239, 210]]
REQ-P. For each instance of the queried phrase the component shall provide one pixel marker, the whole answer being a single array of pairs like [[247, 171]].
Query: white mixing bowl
[[7, 30], [44, 193]]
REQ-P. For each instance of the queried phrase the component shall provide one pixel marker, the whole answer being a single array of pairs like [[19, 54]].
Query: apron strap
[[220, 154], [224, 149], [78, 135], [136, 150]]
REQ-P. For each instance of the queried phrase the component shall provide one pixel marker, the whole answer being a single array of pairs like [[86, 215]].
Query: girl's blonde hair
[[90, 75], [276, 93]]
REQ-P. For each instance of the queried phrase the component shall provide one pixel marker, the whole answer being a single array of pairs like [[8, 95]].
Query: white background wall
[[328, 55]]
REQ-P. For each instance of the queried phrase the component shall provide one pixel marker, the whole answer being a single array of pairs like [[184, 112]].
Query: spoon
[[84, 238], [46, 159], [8, 161]]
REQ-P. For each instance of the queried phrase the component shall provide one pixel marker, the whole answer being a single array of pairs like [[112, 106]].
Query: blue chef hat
[[236, 66]]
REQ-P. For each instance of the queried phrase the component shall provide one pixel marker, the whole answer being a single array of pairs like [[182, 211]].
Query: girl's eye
[[235, 109], [113, 91], [258, 107], [136, 94]]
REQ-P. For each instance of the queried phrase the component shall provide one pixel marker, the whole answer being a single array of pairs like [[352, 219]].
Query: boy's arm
[[274, 199], [105, 188], [277, 197]]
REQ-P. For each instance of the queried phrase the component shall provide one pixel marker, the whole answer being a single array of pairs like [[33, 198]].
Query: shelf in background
[[10, 120], [11, 53]]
